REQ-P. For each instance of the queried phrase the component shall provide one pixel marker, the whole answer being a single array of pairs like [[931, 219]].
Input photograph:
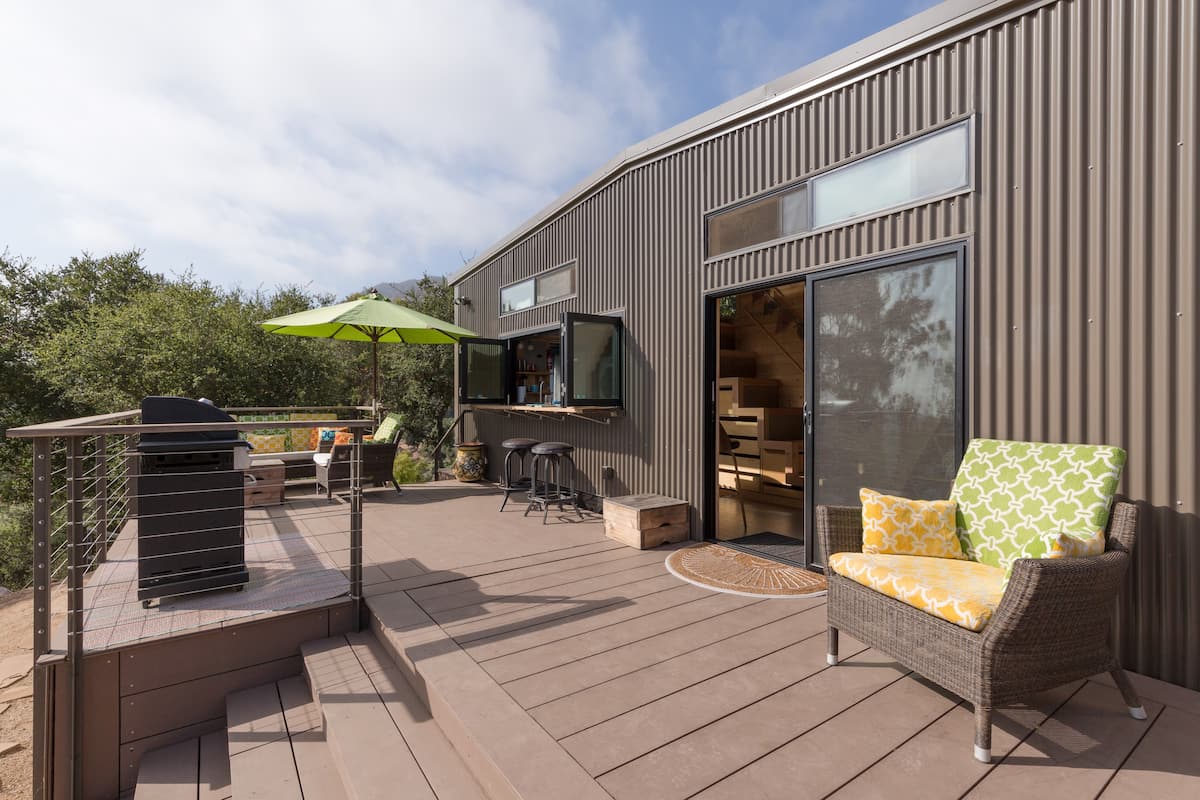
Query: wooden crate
[[737, 393], [645, 520], [781, 463], [267, 490]]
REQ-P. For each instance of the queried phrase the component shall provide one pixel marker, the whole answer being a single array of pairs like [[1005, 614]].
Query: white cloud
[[281, 141]]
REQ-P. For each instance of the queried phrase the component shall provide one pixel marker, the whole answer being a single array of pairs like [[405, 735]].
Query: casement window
[[579, 365]]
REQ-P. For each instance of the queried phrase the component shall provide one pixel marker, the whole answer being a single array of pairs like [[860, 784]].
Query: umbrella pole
[[375, 377]]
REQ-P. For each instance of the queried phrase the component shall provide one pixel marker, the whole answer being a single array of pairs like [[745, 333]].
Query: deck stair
[[350, 728]]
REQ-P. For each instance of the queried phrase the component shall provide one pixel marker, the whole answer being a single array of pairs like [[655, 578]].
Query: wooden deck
[[559, 664], [659, 689]]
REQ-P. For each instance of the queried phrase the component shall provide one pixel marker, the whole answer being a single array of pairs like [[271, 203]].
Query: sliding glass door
[[885, 385]]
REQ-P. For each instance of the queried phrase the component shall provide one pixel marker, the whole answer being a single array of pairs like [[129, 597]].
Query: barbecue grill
[[191, 519]]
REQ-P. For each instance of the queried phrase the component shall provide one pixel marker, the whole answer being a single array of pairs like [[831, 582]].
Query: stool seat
[[518, 443], [552, 449]]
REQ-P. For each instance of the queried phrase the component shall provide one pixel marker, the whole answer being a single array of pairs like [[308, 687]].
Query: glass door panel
[[886, 390], [484, 373]]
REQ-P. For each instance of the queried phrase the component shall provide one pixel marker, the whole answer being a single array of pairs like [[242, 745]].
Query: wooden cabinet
[[734, 394]]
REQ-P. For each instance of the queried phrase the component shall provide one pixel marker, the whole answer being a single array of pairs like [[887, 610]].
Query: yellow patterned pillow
[[906, 527], [1074, 545], [268, 442]]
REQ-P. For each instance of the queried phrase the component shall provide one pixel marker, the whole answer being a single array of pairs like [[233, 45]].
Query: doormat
[[724, 569]]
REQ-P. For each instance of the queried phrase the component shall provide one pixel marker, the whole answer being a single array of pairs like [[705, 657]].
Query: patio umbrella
[[368, 319]]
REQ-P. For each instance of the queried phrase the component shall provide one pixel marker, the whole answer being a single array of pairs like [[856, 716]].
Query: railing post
[[75, 569], [132, 465], [42, 711], [101, 531], [356, 499]]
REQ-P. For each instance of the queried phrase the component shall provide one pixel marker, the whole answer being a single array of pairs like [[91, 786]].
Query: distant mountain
[[397, 289]]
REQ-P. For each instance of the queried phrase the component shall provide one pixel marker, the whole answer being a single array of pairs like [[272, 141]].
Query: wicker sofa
[[1052, 624]]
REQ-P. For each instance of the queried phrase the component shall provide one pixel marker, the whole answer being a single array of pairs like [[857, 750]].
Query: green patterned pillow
[[1010, 495], [387, 429]]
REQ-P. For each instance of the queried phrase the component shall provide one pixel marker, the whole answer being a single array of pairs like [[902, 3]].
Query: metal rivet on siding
[[1178, 502], [1090, 320], [1090, 166], [1179, 313], [1014, 327]]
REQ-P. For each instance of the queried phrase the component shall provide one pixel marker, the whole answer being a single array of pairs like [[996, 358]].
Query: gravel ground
[[16, 724]]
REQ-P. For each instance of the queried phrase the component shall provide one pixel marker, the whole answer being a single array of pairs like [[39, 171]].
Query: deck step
[[194, 769], [277, 746], [382, 739], [510, 755]]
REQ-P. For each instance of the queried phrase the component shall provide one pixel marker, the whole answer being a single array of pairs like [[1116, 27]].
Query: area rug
[[724, 569]]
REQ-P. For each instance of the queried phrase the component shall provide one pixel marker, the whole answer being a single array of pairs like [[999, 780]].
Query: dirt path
[[16, 724]]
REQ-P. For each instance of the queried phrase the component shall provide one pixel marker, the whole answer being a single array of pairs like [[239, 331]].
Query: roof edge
[[904, 34]]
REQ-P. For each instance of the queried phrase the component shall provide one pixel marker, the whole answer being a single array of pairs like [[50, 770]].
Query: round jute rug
[[724, 569]]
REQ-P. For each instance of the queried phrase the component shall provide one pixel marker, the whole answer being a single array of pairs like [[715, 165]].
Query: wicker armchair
[[1052, 626], [377, 461]]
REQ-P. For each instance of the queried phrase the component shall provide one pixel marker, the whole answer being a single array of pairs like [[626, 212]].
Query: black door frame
[[958, 248]]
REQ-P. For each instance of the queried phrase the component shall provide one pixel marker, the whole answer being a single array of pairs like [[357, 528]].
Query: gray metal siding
[[1082, 260]]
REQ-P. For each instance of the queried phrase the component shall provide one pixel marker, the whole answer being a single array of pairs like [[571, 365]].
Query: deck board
[[631, 684]]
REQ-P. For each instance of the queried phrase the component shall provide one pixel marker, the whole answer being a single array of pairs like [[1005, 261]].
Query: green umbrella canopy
[[368, 319]]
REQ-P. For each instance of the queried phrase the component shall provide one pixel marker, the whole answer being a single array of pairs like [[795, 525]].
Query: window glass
[[516, 297], [927, 167], [773, 217], [556, 284], [595, 361], [484, 374]]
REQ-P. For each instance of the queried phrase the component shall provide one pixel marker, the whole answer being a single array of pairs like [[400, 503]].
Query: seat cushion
[[908, 527], [1013, 496], [963, 592]]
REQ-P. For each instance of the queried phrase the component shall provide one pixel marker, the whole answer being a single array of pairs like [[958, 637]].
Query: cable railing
[[150, 540]]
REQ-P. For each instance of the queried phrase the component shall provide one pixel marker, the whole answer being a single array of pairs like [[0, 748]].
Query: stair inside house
[[350, 728]]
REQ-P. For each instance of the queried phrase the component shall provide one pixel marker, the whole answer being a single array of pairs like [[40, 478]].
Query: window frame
[[965, 120], [572, 265], [464, 374], [568, 358]]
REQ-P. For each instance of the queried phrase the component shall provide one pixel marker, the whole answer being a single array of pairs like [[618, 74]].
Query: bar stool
[[550, 456], [520, 448]]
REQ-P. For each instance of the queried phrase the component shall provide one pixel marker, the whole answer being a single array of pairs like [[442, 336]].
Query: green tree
[[417, 380], [188, 337]]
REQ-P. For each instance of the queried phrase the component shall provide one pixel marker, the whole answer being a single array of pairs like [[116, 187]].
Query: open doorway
[[760, 421]]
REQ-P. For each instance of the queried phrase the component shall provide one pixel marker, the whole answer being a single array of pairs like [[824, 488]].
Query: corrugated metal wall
[[1082, 262]]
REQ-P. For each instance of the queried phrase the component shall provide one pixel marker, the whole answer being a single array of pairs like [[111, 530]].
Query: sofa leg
[[1134, 703], [831, 650], [983, 734]]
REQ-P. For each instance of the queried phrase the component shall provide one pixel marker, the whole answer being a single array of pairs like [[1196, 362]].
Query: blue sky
[[341, 144]]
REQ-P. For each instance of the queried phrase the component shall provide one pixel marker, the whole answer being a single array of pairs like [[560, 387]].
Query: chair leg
[[831, 649], [1134, 703], [983, 734]]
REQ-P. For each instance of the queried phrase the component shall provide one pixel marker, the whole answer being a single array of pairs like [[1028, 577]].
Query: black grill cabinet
[[191, 520]]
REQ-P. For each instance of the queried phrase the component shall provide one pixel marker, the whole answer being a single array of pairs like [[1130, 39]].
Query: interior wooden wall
[[770, 324]]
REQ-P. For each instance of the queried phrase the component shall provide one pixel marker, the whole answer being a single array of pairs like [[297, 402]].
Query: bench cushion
[[306, 438], [963, 592], [1013, 497], [268, 442], [908, 527]]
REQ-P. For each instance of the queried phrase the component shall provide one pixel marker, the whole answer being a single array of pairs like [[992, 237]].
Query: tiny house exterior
[[1020, 175]]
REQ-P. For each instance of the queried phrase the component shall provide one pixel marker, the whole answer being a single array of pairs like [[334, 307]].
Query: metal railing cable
[[102, 530]]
